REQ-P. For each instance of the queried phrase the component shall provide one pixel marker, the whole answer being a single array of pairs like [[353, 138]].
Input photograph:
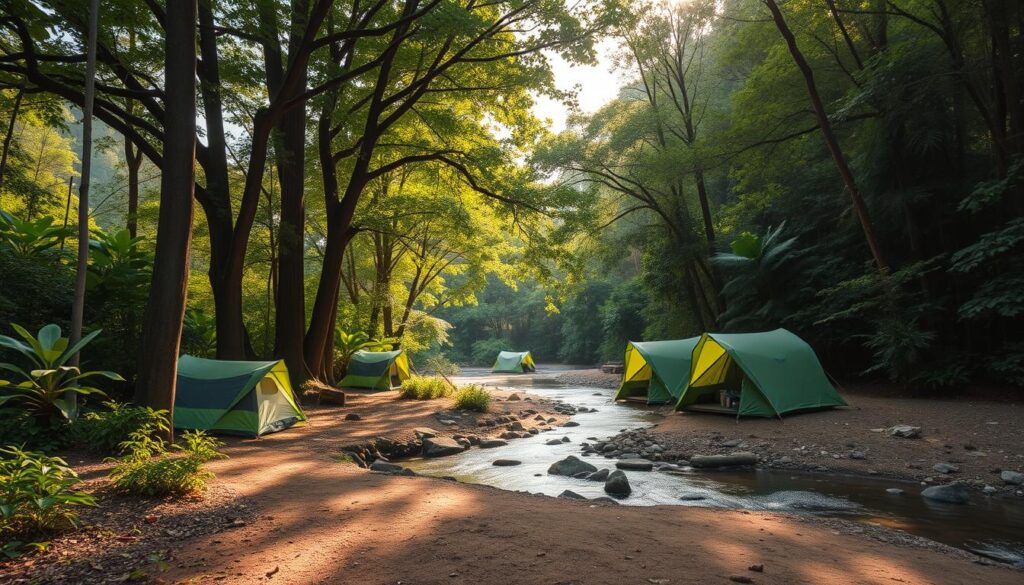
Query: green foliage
[[199, 333], [110, 430], [36, 498], [37, 292], [485, 351], [425, 388], [473, 397], [31, 238], [42, 390], [152, 469]]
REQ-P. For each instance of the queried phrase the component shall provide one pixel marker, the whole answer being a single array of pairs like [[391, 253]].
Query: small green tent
[[514, 362], [770, 374], [376, 370], [243, 398], [656, 371]]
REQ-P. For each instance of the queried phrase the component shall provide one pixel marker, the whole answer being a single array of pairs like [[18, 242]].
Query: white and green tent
[[233, 397], [514, 362]]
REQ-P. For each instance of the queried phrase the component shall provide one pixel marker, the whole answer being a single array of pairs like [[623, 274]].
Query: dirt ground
[[979, 436], [310, 518]]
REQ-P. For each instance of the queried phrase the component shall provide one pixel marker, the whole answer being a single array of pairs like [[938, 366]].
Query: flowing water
[[990, 526]]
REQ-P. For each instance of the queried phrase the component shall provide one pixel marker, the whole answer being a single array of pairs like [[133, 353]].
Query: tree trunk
[[10, 132], [859, 207], [78, 301], [165, 310]]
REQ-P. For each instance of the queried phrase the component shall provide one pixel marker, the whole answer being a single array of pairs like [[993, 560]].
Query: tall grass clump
[[425, 388], [473, 397], [151, 468]]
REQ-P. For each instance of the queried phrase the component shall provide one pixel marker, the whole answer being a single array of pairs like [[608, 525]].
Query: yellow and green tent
[[376, 370], [773, 372], [656, 371], [514, 362], [233, 397]]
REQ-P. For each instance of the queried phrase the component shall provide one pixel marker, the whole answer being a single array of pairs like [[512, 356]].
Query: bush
[[473, 397], [35, 498], [151, 469], [425, 388], [109, 431], [18, 427]]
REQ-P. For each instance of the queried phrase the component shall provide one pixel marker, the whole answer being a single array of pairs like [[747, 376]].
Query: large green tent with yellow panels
[[764, 374], [656, 372]]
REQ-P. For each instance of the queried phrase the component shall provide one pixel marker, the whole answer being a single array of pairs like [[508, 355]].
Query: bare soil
[[312, 518]]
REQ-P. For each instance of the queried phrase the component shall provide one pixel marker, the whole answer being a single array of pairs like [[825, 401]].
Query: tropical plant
[[36, 498], [107, 430], [119, 266], [473, 397], [199, 334], [150, 468], [43, 390], [425, 388], [31, 238]]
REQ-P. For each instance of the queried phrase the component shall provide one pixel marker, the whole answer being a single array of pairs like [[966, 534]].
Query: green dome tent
[[514, 362], [656, 371], [376, 370], [244, 398], [756, 374]]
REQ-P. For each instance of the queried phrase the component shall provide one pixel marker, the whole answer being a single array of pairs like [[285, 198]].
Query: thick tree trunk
[[10, 132], [161, 336], [859, 207]]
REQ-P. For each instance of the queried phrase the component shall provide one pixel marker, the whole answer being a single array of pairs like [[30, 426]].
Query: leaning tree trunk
[[859, 207], [165, 311], [10, 132]]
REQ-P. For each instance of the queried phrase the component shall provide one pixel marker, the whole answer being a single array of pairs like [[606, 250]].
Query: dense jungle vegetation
[[848, 169]]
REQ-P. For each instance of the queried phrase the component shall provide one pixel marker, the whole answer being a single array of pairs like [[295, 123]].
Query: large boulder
[[734, 459], [634, 464], [1012, 477], [952, 493], [570, 466], [441, 447], [617, 484]]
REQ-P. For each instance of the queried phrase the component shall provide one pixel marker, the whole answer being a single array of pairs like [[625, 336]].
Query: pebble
[[506, 462], [353, 416], [894, 491]]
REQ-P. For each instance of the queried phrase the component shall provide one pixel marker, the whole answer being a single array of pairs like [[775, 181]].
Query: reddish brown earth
[[316, 520]]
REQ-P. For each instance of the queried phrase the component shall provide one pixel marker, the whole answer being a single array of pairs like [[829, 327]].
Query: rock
[[571, 495], [441, 447], [533, 431], [785, 459], [858, 455], [989, 489], [953, 493], [582, 475], [385, 467], [1012, 477], [425, 432], [516, 426], [894, 491], [599, 475], [571, 423], [608, 448], [506, 462], [513, 396], [732, 443], [605, 499], [905, 431], [509, 435], [740, 579], [706, 461], [617, 484], [492, 443], [634, 464], [758, 568], [553, 442], [566, 440], [945, 468], [570, 466], [407, 471], [464, 442], [691, 497], [353, 416]]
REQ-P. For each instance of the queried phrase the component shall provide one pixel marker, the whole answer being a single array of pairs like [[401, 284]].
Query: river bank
[[970, 440]]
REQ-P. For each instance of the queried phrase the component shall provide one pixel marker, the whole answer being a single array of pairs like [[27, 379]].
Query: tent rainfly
[[514, 362], [756, 374], [656, 371], [240, 398], [376, 370]]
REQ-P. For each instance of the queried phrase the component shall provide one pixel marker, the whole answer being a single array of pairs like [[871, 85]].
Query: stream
[[992, 527]]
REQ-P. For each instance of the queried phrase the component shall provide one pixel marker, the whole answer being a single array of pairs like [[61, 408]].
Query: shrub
[[110, 430], [473, 397], [43, 388], [425, 388], [18, 427], [151, 469], [36, 498]]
